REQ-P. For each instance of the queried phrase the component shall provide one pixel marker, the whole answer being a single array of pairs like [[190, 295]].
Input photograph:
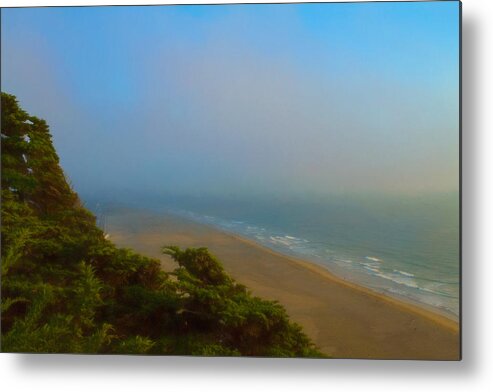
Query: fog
[[243, 100]]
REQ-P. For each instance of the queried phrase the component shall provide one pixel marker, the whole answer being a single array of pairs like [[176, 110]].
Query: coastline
[[418, 308], [344, 319], [447, 319]]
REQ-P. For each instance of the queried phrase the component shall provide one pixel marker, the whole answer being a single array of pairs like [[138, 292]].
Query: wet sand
[[343, 319]]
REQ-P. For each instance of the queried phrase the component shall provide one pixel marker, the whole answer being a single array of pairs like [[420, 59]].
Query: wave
[[372, 269], [345, 261], [281, 240], [372, 258], [369, 269], [440, 293], [403, 281], [404, 273]]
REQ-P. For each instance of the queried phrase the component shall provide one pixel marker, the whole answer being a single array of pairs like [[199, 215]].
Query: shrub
[[67, 289]]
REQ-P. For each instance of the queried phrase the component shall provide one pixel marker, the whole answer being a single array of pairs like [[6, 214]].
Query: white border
[[474, 373]]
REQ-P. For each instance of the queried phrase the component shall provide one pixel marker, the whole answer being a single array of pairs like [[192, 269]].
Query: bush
[[67, 289]]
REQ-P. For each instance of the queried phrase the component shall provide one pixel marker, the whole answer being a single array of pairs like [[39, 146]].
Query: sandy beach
[[343, 319]]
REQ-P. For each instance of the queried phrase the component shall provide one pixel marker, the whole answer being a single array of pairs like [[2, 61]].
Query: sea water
[[398, 245]]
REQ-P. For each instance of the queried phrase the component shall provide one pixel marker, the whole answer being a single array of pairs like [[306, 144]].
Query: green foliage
[[134, 345], [66, 289], [222, 308]]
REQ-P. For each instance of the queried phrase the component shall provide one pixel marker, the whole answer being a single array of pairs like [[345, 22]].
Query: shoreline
[[413, 306], [344, 319], [446, 318]]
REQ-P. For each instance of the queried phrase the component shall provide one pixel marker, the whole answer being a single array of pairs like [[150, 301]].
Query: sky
[[243, 99]]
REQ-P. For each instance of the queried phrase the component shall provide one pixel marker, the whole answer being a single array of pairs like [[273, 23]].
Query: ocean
[[406, 247]]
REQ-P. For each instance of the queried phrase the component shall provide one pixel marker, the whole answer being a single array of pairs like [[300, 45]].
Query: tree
[[65, 288]]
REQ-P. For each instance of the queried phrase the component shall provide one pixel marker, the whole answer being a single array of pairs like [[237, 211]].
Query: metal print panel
[[267, 180]]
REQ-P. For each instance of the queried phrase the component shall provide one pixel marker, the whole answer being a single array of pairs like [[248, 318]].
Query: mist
[[243, 100]]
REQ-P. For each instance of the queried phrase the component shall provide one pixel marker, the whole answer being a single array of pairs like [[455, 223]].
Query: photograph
[[278, 180]]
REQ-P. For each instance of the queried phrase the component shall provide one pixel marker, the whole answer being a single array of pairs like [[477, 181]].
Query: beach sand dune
[[344, 320]]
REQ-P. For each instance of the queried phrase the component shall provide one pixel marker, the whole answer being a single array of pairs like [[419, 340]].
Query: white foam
[[280, 240], [372, 269], [404, 273], [404, 281], [440, 293], [371, 265], [373, 259]]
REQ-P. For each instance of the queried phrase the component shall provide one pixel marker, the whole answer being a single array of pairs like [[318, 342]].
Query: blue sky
[[314, 98]]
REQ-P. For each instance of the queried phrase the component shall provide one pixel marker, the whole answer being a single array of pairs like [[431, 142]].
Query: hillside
[[67, 289]]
